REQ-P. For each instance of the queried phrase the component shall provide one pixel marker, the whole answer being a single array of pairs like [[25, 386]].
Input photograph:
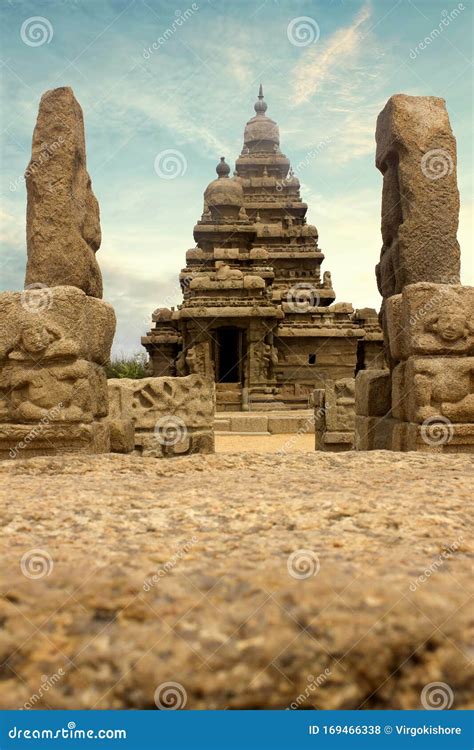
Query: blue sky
[[192, 92]]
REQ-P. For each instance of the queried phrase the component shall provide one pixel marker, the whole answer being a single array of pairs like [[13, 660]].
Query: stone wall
[[171, 416]]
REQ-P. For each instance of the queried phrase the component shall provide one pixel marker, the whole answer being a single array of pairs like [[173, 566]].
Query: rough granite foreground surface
[[250, 581]]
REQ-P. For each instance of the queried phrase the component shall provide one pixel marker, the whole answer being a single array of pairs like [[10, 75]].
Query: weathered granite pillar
[[56, 335], [426, 314]]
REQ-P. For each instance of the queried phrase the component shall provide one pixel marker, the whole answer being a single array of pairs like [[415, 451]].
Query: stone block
[[74, 324], [435, 319], [171, 416], [373, 393], [45, 438], [122, 435], [226, 253], [427, 388], [290, 424], [335, 441], [434, 437], [374, 433], [247, 423], [222, 425], [340, 405], [189, 399], [416, 153], [152, 445], [399, 406], [338, 437], [52, 385], [317, 398], [392, 322]]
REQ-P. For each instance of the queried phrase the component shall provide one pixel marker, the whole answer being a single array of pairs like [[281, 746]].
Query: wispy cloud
[[320, 60]]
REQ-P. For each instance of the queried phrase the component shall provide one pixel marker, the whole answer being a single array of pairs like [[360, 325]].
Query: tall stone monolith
[[62, 227]]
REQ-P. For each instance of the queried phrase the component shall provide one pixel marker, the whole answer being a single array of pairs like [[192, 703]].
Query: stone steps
[[264, 423]]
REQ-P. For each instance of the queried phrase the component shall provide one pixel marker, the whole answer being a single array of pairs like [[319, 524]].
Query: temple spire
[[260, 106]]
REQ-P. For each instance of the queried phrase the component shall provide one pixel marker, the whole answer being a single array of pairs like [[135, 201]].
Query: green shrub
[[134, 366]]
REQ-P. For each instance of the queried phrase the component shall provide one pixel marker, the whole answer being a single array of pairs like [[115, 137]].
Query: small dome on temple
[[162, 313], [223, 169], [225, 191]]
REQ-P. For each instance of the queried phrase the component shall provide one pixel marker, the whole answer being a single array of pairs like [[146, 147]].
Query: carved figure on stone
[[198, 360], [327, 280], [181, 369], [446, 390], [42, 371], [225, 272], [450, 324], [40, 341]]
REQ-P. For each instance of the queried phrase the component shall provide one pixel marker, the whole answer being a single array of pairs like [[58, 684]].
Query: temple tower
[[256, 315]]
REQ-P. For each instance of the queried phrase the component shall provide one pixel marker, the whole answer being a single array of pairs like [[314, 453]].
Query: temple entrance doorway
[[229, 355]]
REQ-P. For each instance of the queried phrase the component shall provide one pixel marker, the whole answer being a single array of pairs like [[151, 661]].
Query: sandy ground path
[[252, 580]]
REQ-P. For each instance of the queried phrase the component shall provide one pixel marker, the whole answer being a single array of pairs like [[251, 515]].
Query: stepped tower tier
[[257, 314]]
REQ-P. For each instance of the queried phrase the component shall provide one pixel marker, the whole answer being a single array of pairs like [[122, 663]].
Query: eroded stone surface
[[53, 387], [227, 620], [335, 415], [62, 223], [416, 153], [425, 311], [171, 416]]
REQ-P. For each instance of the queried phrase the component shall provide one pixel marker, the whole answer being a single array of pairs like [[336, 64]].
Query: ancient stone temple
[[257, 316]]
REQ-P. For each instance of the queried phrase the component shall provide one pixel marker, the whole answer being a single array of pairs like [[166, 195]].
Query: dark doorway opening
[[229, 355]]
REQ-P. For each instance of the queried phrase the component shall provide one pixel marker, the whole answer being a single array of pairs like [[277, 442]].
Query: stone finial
[[260, 106], [63, 224], [223, 169]]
